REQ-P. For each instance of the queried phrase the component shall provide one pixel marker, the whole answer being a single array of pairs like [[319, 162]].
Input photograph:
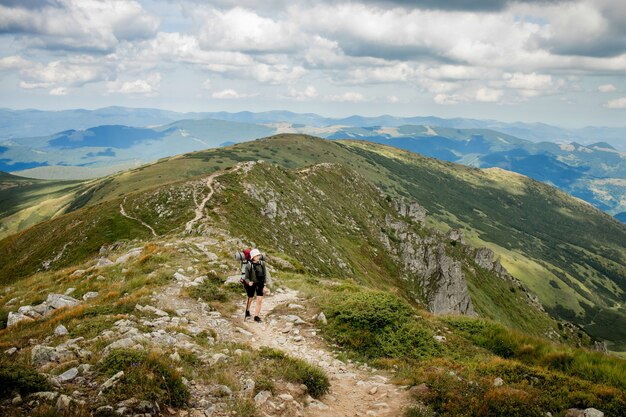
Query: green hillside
[[25, 202], [567, 252]]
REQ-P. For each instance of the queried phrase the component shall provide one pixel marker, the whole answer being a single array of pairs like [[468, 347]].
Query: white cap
[[254, 252]]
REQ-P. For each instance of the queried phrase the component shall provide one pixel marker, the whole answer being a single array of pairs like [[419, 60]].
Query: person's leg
[[248, 304], [259, 302]]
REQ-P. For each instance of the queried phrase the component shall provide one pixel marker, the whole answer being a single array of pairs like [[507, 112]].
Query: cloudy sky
[[560, 62]]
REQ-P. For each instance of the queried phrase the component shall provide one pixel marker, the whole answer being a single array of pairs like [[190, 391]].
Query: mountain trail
[[355, 391], [199, 210], [123, 213]]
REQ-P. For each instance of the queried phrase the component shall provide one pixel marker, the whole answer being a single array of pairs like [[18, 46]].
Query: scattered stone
[[286, 397], [292, 318], [232, 279], [313, 403], [61, 330], [498, 382], [17, 400], [102, 262], [440, 339], [78, 273], [61, 300], [373, 391], [298, 339], [322, 318], [90, 295], [111, 381], [45, 395], [63, 403], [262, 397], [183, 311], [243, 331], [218, 357], [10, 351], [11, 301], [68, 375], [575, 412], [100, 278], [248, 387], [15, 318], [105, 410], [296, 306], [180, 277], [133, 253], [69, 290], [175, 357], [592, 412]]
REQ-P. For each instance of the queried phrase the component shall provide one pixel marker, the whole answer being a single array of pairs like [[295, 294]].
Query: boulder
[[15, 318], [133, 253], [90, 295], [61, 300], [68, 375], [60, 331], [322, 318], [103, 262], [262, 397], [41, 355], [484, 258], [45, 395], [111, 381]]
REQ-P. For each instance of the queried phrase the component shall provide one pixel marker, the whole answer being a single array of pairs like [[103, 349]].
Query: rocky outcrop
[[412, 210], [53, 302], [438, 276]]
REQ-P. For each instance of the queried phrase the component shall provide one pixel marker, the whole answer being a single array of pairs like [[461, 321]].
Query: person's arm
[[248, 274]]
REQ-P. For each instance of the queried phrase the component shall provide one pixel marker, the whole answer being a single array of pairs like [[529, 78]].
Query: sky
[[558, 62]]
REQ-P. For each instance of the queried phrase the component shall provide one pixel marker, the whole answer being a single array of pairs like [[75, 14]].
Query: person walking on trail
[[255, 280]]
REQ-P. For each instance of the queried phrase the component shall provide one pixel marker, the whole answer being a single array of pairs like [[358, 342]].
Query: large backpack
[[244, 257]]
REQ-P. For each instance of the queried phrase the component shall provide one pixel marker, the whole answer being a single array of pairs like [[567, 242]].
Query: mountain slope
[[566, 251]]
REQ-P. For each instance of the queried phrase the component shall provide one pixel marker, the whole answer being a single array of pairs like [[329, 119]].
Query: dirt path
[[354, 392], [200, 206], [123, 213]]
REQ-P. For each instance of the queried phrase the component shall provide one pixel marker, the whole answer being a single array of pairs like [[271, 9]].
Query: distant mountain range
[[30, 123], [94, 143]]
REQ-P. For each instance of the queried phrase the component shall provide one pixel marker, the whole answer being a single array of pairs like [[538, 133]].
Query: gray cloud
[[459, 5]]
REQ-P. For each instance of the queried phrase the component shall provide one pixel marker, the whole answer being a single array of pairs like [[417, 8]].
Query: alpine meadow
[[348, 208]]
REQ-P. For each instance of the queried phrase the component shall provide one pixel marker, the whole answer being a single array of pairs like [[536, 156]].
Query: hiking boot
[[257, 319], [247, 314]]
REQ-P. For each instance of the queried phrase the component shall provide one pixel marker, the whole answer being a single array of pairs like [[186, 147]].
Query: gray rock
[[296, 306], [45, 395], [262, 397], [90, 295], [105, 410], [292, 318], [61, 300], [440, 339], [233, 279], [61, 330], [103, 262], [10, 351], [180, 277], [217, 358], [69, 290], [498, 382], [455, 235], [133, 253], [41, 355], [322, 318], [484, 258], [63, 403], [15, 318], [592, 412], [175, 357], [68, 375], [111, 381], [16, 400], [286, 397]]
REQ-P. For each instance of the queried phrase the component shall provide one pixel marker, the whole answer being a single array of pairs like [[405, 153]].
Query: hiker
[[254, 281]]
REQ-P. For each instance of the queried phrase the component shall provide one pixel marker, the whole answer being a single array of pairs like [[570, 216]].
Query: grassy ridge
[[570, 254]]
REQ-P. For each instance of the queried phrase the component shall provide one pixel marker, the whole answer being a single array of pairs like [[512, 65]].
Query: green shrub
[[296, 370], [376, 324], [17, 377], [146, 375], [510, 402]]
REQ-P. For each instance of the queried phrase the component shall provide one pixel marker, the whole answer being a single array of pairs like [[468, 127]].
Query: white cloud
[[618, 103], [244, 30], [393, 99], [148, 86], [59, 91], [75, 72], [348, 97], [606, 88], [489, 95], [13, 62], [308, 93], [206, 85], [95, 25], [229, 94]]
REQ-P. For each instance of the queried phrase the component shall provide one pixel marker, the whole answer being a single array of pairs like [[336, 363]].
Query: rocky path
[[354, 391], [200, 206]]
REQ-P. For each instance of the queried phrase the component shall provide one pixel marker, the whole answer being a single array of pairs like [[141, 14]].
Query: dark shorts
[[256, 287]]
